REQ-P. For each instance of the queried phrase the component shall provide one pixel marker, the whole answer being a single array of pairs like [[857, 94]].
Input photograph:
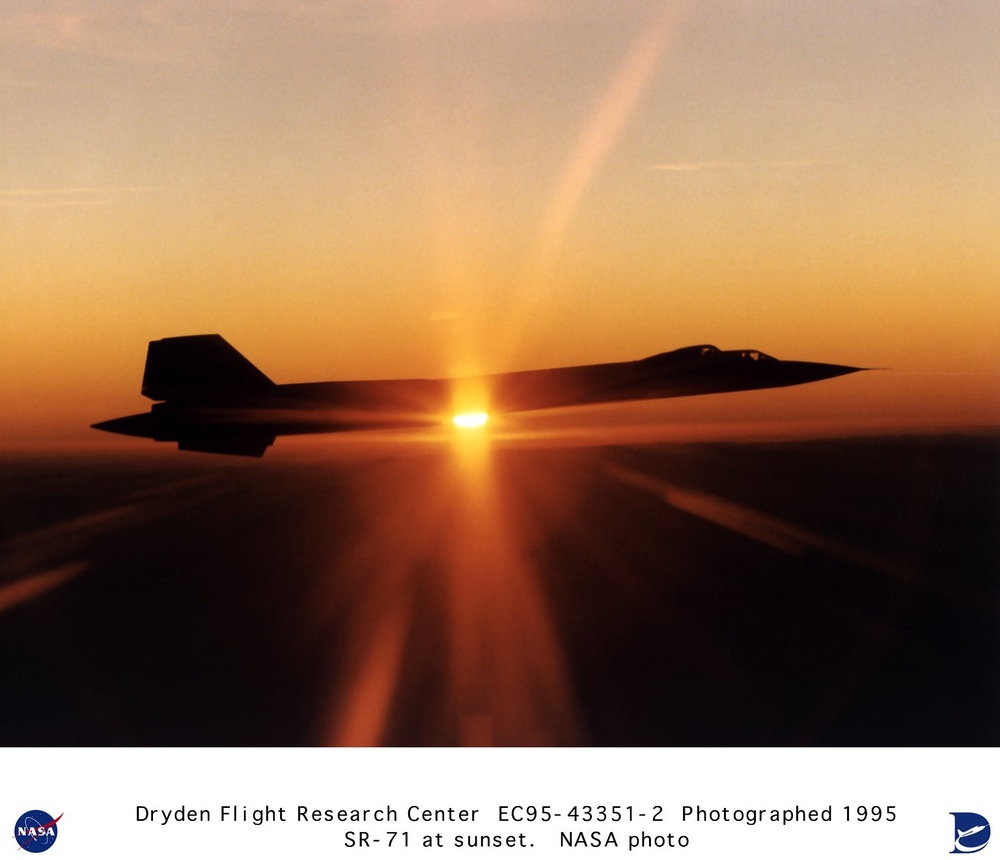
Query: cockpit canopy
[[703, 351], [686, 352], [698, 351]]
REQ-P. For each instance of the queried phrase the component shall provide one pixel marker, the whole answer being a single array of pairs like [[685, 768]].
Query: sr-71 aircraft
[[210, 398]]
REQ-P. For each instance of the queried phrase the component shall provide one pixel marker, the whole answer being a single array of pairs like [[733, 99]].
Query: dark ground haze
[[820, 593]]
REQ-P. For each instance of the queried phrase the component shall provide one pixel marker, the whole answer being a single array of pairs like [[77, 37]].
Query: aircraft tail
[[198, 365]]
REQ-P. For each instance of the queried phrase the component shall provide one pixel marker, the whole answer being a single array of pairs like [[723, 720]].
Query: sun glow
[[453, 535], [470, 420]]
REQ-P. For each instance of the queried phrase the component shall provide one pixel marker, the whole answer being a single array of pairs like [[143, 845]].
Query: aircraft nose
[[812, 371], [130, 425]]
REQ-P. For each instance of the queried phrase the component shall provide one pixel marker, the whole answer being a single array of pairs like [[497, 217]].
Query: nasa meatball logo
[[36, 831]]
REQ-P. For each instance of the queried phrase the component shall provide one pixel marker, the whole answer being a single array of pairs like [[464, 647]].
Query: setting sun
[[469, 420]]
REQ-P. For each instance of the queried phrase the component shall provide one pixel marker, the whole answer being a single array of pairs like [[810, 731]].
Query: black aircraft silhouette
[[213, 399]]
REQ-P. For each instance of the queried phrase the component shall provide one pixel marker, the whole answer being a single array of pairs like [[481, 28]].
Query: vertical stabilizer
[[179, 367]]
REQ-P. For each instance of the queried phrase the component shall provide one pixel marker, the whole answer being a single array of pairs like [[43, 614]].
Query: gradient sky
[[387, 188]]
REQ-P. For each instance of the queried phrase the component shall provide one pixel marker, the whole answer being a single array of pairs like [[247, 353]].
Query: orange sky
[[362, 190]]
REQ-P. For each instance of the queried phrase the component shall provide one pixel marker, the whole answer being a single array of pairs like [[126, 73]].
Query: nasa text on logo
[[36, 831], [972, 832]]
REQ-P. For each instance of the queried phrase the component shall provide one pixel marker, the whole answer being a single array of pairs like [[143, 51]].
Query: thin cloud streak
[[51, 204], [692, 166], [44, 198], [83, 189], [148, 32], [19, 83], [608, 119], [607, 122]]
